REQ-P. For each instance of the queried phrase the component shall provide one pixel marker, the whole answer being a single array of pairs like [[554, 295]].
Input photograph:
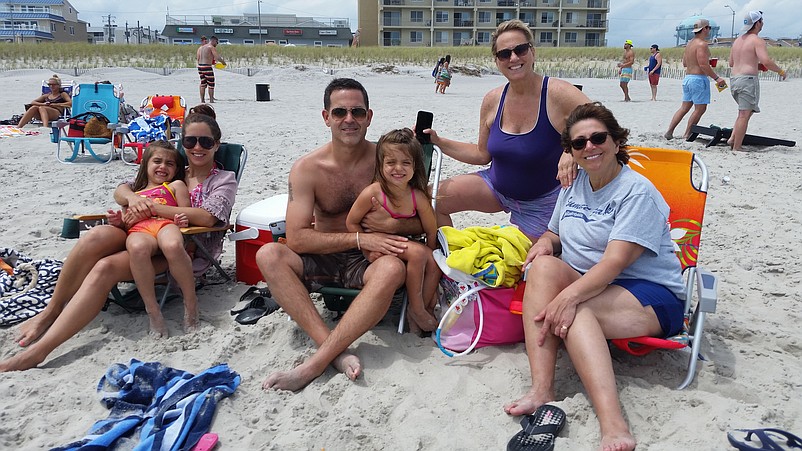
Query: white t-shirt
[[629, 208]]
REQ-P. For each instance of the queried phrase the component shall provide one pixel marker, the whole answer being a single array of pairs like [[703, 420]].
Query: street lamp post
[[259, 14], [732, 30]]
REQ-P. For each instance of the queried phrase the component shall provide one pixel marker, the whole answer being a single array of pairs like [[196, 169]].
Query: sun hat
[[750, 19], [700, 24]]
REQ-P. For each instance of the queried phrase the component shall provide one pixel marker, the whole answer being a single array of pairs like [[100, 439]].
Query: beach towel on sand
[[156, 407], [27, 291]]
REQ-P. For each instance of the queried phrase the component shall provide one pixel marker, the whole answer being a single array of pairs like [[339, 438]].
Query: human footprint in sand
[[99, 260], [617, 275], [161, 180], [321, 251], [401, 184]]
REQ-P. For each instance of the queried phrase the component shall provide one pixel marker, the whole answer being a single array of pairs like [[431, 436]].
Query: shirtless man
[[747, 52], [207, 56], [322, 187], [625, 67], [695, 87]]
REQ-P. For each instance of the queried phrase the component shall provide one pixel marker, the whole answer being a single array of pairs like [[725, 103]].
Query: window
[[485, 17], [416, 16], [415, 37], [53, 27], [441, 37], [247, 41], [592, 40], [483, 37], [570, 18], [594, 21], [573, 2], [570, 37], [546, 17], [546, 37], [391, 38], [391, 19], [318, 44], [441, 16], [182, 41], [527, 17], [72, 31], [224, 41]]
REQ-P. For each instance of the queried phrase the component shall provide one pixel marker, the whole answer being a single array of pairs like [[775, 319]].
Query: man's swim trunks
[[696, 89], [745, 89], [206, 73], [343, 269], [626, 74]]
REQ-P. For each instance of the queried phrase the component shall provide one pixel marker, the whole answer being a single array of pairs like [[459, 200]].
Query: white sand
[[411, 396]]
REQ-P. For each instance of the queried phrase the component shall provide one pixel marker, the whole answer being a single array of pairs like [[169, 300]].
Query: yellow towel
[[493, 255]]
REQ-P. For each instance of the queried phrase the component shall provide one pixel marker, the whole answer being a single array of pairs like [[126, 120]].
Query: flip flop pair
[[540, 430], [766, 437], [254, 304]]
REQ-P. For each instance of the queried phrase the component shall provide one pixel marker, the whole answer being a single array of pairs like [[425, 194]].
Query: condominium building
[[432, 23], [40, 21]]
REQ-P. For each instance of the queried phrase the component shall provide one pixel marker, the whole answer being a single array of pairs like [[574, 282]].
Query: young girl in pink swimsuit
[[161, 179], [399, 184]]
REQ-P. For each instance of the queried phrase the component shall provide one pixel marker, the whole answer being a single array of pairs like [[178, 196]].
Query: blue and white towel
[[146, 129], [29, 289], [154, 407]]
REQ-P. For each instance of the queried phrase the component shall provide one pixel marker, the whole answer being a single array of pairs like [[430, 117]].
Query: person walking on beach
[[695, 86], [207, 56], [204, 40], [748, 51], [625, 68], [320, 251], [655, 65]]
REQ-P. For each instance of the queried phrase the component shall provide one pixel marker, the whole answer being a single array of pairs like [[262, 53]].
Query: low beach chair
[[174, 107], [66, 86], [672, 173], [97, 98]]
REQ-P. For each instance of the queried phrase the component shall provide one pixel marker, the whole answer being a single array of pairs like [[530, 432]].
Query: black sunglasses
[[357, 113], [520, 50], [597, 139], [189, 142]]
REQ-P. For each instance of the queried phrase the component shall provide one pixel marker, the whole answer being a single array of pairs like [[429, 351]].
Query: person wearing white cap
[[695, 86], [748, 51], [625, 68]]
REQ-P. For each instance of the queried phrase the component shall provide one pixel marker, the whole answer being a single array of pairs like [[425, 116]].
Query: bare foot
[[191, 316], [25, 360], [293, 380], [527, 404], [33, 328], [348, 364], [623, 441], [158, 328], [668, 135], [413, 326], [425, 320]]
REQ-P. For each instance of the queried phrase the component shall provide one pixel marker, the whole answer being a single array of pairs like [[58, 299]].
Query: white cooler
[[267, 216]]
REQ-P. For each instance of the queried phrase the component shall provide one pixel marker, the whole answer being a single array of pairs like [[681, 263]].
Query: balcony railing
[[392, 2], [507, 2], [391, 22], [592, 42], [463, 2], [463, 23], [596, 23]]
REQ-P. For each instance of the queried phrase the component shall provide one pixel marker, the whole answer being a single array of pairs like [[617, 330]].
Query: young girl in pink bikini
[[400, 186], [160, 179]]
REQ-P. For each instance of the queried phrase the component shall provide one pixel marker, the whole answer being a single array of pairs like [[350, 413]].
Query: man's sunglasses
[[357, 113], [597, 139], [189, 142], [520, 50]]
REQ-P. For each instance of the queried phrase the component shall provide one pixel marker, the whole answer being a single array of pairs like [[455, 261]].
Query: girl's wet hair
[[141, 181], [403, 139]]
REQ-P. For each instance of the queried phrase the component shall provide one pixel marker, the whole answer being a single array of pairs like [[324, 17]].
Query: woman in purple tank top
[[519, 135]]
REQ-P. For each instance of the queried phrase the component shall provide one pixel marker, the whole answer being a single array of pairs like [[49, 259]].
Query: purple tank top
[[524, 167]]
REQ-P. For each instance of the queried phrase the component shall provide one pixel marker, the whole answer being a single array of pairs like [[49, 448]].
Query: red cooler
[[267, 216]]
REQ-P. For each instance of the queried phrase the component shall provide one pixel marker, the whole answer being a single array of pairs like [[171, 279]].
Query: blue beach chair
[[88, 98]]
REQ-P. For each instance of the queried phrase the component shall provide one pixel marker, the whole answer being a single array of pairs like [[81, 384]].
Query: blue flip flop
[[539, 430], [767, 442]]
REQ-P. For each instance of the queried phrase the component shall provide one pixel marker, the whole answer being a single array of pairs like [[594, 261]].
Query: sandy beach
[[411, 396]]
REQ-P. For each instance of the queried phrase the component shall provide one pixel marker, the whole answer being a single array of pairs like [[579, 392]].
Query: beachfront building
[[40, 21], [251, 29], [123, 34], [433, 23]]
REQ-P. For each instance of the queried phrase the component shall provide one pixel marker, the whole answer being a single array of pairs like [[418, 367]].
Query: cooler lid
[[262, 213]]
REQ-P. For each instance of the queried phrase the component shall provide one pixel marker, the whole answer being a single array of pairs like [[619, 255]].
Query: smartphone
[[423, 122]]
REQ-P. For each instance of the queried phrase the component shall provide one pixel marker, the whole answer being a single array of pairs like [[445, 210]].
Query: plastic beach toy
[[219, 65]]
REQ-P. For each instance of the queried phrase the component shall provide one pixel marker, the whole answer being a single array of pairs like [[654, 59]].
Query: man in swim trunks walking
[[695, 86], [207, 56], [747, 52], [625, 67]]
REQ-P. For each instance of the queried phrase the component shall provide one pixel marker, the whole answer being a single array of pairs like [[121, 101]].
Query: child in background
[[161, 179], [444, 77], [400, 183]]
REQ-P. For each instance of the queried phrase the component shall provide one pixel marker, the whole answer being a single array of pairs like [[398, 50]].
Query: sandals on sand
[[253, 305], [766, 437], [539, 430]]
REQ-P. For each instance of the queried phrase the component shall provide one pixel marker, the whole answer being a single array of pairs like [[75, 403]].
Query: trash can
[[262, 92]]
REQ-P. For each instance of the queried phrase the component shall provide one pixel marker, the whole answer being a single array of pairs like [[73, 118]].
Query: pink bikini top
[[400, 216], [160, 194]]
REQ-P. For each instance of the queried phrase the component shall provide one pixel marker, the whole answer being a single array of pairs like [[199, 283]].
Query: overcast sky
[[646, 22]]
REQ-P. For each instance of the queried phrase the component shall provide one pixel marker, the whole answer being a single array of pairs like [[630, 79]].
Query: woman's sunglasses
[[520, 50], [357, 113], [597, 139], [189, 142]]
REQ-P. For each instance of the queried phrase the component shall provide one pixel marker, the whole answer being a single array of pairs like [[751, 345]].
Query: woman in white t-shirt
[[616, 275]]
